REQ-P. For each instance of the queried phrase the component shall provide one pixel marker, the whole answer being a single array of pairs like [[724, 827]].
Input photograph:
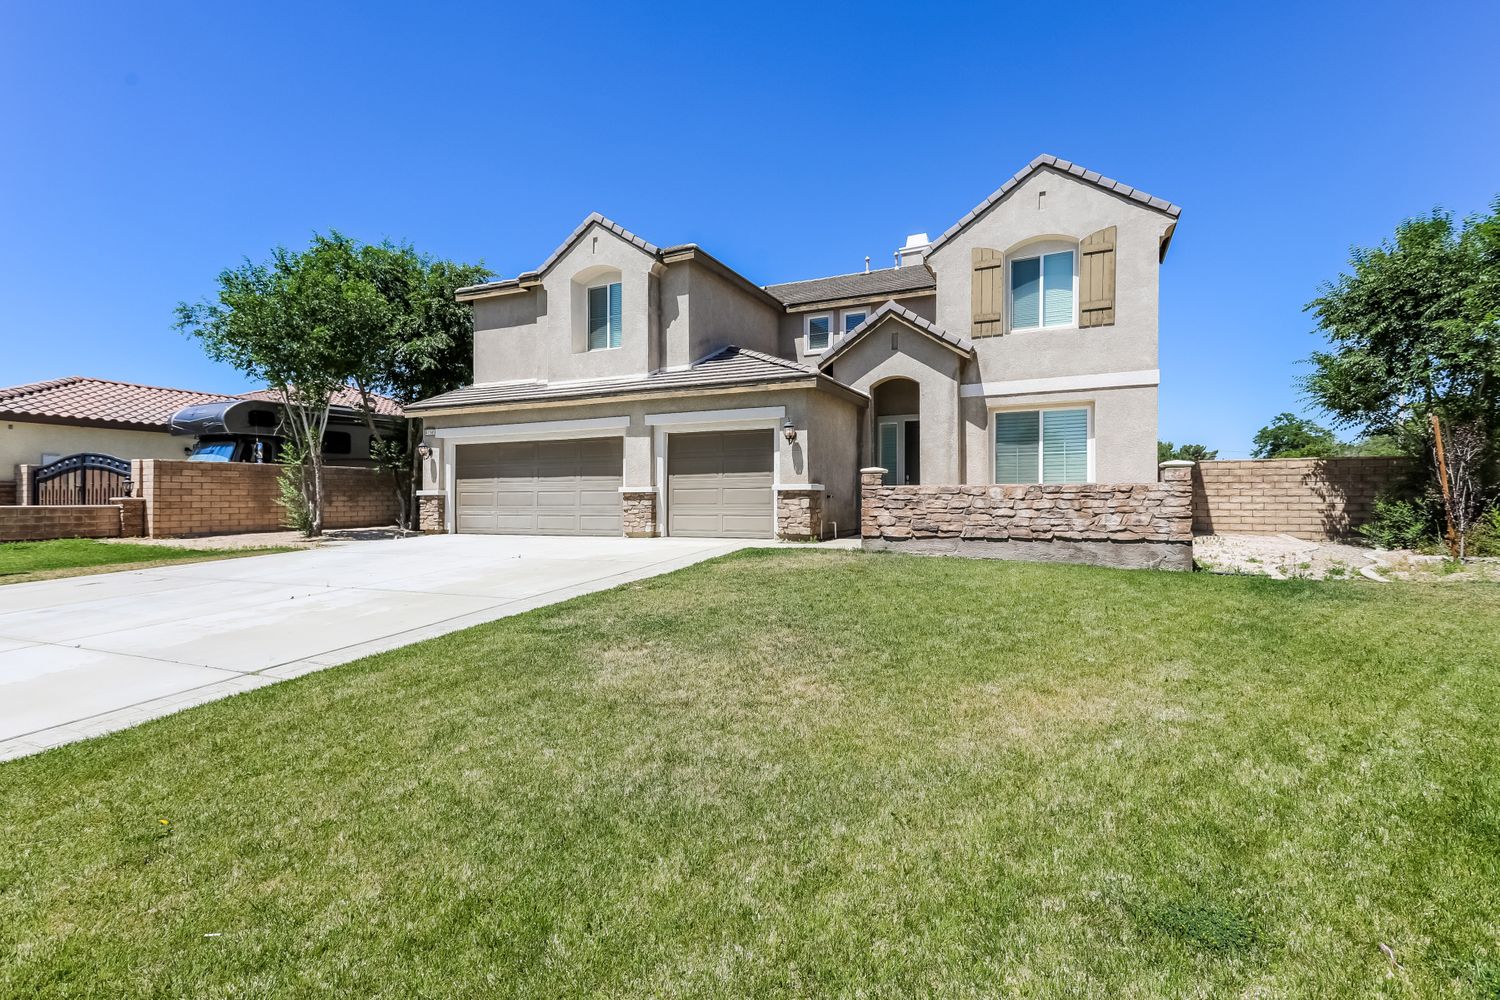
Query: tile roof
[[728, 367], [859, 285], [573, 237], [1064, 166], [347, 396], [99, 402], [962, 345]]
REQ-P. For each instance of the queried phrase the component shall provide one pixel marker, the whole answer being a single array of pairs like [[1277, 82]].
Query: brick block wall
[[1129, 524], [24, 524], [213, 498], [1313, 498], [7, 492]]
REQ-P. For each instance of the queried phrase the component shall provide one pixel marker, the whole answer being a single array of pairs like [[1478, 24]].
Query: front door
[[900, 440]]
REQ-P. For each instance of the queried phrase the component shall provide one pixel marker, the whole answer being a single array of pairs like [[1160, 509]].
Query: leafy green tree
[[1166, 451], [1414, 328], [1291, 436], [379, 317]]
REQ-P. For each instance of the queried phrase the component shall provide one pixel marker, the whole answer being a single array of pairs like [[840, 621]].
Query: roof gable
[[534, 276], [1067, 168], [890, 310]]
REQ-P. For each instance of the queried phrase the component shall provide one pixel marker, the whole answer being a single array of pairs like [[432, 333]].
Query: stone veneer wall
[[227, 498], [431, 508], [24, 524], [638, 512], [1128, 524], [799, 513], [1313, 498]]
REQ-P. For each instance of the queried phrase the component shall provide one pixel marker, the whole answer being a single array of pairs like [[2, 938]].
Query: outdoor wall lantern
[[789, 431], [424, 451]]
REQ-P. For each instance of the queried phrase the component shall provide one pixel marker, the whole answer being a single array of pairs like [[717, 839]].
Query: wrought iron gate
[[81, 479]]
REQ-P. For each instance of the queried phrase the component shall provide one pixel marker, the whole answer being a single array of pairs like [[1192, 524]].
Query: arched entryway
[[898, 431]]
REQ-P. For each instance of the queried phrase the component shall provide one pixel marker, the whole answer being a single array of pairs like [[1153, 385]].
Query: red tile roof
[[347, 396], [98, 402]]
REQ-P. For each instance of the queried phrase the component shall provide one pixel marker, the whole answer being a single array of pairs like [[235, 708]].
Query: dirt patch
[[1284, 557]]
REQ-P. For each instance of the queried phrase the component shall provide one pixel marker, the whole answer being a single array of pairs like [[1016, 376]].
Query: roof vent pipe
[[867, 263]]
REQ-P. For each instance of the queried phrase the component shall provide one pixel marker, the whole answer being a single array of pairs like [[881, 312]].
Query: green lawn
[[807, 773], [22, 562]]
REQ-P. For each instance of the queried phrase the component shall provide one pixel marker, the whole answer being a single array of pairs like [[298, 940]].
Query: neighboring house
[[44, 421], [623, 387]]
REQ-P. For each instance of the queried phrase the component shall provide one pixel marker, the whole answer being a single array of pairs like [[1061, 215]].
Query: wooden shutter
[[1096, 279], [988, 297]]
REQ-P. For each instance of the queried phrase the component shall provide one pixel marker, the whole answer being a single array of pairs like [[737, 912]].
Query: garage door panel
[[540, 487], [720, 484]]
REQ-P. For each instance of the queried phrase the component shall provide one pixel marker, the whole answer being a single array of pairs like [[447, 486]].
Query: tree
[[379, 317], [1166, 451], [1291, 436], [1414, 329]]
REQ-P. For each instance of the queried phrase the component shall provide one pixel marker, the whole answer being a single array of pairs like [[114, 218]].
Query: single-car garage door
[[719, 485], [539, 487]]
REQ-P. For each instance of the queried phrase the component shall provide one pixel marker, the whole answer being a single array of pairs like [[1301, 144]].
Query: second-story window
[[606, 324], [1041, 291], [819, 332], [853, 317]]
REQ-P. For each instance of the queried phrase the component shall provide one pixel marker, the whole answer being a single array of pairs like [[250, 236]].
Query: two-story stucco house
[[627, 388]]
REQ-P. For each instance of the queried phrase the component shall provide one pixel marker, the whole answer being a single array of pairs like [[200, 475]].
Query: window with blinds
[[1042, 446], [606, 320], [1041, 291]]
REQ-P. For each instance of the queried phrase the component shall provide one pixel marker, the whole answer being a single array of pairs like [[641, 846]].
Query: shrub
[[1399, 524], [291, 485]]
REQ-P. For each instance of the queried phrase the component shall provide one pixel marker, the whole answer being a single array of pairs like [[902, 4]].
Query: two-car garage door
[[719, 485], [540, 487]]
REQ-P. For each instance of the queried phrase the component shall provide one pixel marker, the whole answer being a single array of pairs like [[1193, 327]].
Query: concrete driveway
[[91, 654]]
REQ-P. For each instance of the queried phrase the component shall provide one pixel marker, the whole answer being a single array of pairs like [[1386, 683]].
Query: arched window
[[1044, 285]]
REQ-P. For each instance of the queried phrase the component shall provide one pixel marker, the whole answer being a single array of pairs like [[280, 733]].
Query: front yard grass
[[807, 773], [23, 562]]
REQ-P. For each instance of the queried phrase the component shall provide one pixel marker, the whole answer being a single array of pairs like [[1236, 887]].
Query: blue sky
[[147, 146]]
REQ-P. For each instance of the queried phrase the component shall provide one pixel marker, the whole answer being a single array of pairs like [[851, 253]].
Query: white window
[[819, 330], [1043, 291], [605, 317], [1043, 446], [850, 318]]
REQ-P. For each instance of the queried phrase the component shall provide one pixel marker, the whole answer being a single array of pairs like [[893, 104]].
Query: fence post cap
[[1178, 463], [872, 469]]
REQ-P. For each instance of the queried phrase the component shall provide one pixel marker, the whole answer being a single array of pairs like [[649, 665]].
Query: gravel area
[[1284, 557]]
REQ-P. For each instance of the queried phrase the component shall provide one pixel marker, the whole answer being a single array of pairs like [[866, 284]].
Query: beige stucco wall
[[672, 315], [791, 342], [935, 369], [23, 443], [1073, 210], [826, 423], [1123, 423]]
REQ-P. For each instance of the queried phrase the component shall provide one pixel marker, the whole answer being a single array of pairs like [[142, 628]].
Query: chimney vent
[[914, 250]]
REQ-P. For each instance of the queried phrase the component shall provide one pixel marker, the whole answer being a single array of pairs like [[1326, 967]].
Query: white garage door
[[539, 487], [720, 485]]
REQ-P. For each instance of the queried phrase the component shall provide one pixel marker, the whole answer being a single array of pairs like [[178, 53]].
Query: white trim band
[[587, 427], [1063, 383], [718, 416]]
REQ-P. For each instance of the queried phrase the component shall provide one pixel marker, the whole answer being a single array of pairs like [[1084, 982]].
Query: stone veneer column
[[431, 508], [799, 513], [870, 479], [638, 513], [1177, 471]]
